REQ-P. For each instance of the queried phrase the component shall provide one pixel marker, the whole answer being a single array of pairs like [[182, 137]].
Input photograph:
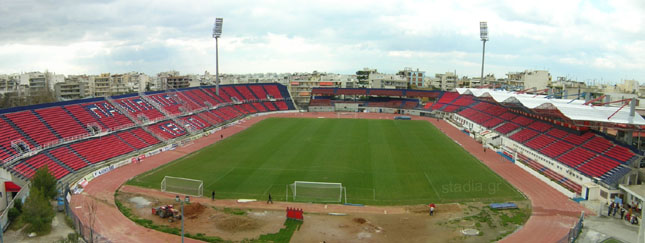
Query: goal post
[[181, 185], [311, 191]]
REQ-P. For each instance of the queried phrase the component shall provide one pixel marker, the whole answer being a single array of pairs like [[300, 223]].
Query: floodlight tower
[[483, 34], [217, 32]]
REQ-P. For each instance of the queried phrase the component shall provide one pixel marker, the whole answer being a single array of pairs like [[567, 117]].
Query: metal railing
[[574, 232]]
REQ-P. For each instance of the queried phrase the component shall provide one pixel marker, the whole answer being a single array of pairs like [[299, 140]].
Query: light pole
[[217, 32], [483, 34], [187, 200]]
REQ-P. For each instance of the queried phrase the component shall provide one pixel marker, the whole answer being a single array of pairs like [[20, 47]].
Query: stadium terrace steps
[[70, 120], [11, 127], [137, 106], [59, 162], [83, 115], [506, 128], [145, 136], [385, 92], [167, 129], [576, 157], [107, 114], [195, 122], [524, 135], [507, 116], [49, 127], [32, 127], [122, 134], [540, 126], [557, 133], [231, 92], [270, 106], [597, 166], [539, 142], [11, 133], [590, 154], [448, 97], [598, 144], [578, 139], [29, 166], [87, 148], [65, 155], [62, 122], [245, 92], [522, 120], [259, 91]]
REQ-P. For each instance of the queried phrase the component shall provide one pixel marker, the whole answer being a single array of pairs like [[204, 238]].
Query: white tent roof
[[574, 110]]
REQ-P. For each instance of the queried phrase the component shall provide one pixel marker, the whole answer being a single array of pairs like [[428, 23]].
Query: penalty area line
[[268, 188], [433, 188], [225, 174]]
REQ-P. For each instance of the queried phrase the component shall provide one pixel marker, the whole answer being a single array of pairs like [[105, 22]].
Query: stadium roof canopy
[[566, 109]]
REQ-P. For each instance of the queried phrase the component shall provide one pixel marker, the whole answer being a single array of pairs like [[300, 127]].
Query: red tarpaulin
[[11, 187]]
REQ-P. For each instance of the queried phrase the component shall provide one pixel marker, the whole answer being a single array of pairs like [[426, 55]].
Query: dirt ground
[[411, 223], [59, 231]]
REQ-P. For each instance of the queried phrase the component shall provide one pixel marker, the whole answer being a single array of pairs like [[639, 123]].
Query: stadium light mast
[[217, 32], [483, 34]]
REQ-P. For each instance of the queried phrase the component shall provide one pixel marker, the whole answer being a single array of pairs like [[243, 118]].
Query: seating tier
[[32, 126], [59, 120], [63, 154]]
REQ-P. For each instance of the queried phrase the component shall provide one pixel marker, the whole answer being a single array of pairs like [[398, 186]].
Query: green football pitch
[[379, 162]]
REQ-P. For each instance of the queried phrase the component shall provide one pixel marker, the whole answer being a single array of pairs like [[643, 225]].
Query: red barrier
[[295, 213]]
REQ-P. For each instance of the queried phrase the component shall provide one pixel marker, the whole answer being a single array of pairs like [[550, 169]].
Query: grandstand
[[557, 138], [77, 136], [561, 140]]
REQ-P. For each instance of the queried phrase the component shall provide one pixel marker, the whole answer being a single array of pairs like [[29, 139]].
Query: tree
[[38, 212], [45, 182]]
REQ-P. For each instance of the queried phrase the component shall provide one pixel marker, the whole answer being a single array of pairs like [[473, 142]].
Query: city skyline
[[581, 40]]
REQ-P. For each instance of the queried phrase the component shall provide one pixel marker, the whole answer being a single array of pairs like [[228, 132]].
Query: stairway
[[47, 125], [31, 141], [58, 162], [77, 154], [77, 120]]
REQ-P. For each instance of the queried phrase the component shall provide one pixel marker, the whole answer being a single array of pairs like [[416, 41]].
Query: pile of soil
[[233, 223], [193, 210], [360, 220]]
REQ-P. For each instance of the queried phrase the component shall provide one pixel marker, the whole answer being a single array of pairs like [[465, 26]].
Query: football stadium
[[243, 163]]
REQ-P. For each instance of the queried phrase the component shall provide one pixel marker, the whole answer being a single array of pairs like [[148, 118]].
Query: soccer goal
[[183, 186], [311, 191]]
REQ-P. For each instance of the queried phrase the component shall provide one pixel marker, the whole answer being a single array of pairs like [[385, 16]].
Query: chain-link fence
[[85, 231]]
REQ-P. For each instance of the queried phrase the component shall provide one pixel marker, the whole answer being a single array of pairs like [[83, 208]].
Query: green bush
[[45, 182], [17, 203], [38, 212], [13, 214]]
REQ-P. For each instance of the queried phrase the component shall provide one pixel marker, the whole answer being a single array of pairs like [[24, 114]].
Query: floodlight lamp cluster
[[217, 29], [483, 30]]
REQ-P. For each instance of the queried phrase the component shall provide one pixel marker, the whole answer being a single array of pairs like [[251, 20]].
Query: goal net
[[183, 186], [311, 191]]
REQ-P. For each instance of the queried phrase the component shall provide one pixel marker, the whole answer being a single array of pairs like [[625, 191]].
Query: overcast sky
[[583, 40]]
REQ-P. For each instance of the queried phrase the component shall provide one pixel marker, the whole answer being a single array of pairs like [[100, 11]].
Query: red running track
[[553, 214]]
